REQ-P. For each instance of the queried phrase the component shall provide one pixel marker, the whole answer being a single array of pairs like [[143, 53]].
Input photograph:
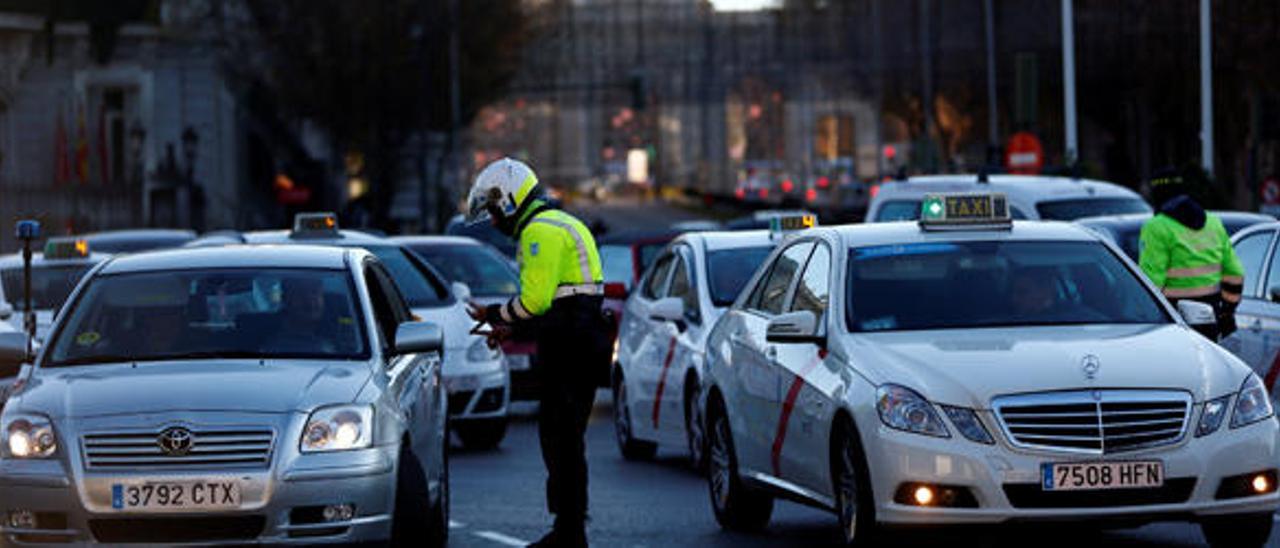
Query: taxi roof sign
[[66, 248], [961, 211], [790, 223], [315, 224]]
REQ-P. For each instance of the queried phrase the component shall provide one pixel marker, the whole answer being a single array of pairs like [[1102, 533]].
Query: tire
[[630, 447], [855, 507], [409, 523], [481, 434], [737, 507], [695, 428], [438, 537], [1238, 531]]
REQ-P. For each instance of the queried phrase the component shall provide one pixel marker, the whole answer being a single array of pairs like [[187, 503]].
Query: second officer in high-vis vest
[[559, 305], [1186, 252]]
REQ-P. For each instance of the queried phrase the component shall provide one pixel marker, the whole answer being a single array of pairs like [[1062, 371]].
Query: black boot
[[564, 535]]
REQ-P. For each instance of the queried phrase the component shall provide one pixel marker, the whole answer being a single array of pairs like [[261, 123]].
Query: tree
[[372, 75]]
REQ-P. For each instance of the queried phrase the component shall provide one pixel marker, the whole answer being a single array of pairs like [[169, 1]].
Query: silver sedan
[[230, 395]]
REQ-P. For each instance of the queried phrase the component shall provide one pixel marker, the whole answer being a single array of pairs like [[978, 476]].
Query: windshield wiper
[[121, 358], [92, 360]]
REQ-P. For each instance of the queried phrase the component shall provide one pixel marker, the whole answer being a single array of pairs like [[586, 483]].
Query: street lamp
[[189, 142]]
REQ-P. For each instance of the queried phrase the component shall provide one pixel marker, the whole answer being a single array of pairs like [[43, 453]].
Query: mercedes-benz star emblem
[[176, 441], [1090, 365]]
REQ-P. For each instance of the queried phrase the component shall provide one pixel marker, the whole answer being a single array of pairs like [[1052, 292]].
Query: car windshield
[[50, 285], [224, 313], [990, 284], [420, 287], [1070, 210], [487, 273], [617, 264], [728, 270]]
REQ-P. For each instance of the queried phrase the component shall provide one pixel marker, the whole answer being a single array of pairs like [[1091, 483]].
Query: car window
[[772, 292], [994, 284], [1252, 250], [223, 313], [1079, 208], [616, 261], [898, 210], [814, 288], [1017, 214], [1273, 275], [682, 288], [388, 306], [655, 282], [728, 270], [421, 287], [50, 285], [487, 273]]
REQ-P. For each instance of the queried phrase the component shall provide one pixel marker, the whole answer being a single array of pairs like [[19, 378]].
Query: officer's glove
[[1226, 315]]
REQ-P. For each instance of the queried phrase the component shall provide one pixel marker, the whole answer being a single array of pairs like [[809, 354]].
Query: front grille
[[1094, 421], [1032, 495], [171, 530], [458, 401], [247, 447], [490, 400]]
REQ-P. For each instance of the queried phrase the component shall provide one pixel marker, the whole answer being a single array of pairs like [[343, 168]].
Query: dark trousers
[[572, 343]]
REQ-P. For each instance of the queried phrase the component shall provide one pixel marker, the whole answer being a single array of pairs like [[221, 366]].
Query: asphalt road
[[498, 501]]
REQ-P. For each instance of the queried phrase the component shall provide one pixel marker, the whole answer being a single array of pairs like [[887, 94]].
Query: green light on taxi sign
[[66, 248], [943, 210]]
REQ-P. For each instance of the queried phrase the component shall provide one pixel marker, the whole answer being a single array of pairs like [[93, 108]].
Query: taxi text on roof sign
[[66, 248], [315, 223], [964, 210], [791, 223]]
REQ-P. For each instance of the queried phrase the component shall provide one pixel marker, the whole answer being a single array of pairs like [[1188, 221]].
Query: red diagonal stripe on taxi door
[[788, 405], [662, 381], [1270, 379]]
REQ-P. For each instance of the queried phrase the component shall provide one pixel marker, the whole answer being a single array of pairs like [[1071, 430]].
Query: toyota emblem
[[176, 441], [1090, 366]]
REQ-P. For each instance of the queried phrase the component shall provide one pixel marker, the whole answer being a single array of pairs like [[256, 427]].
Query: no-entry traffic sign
[[1024, 155]]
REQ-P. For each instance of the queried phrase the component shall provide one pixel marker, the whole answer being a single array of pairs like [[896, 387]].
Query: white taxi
[[54, 273], [970, 369], [1034, 197], [664, 330]]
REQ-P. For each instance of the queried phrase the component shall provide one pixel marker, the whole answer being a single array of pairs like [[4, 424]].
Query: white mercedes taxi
[[970, 369], [664, 331]]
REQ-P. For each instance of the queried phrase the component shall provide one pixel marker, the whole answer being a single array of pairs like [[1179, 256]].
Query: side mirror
[[461, 291], [6, 311], [1197, 314], [794, 327], [669, 309], [13, 352], [419, 338]]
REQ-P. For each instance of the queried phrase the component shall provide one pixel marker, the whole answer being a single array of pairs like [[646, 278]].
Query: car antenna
[[982, 176]]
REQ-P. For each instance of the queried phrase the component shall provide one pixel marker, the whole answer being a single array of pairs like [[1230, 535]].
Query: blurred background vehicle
[[1124, 230], [136, 240], [1030, 197], [54, 274]]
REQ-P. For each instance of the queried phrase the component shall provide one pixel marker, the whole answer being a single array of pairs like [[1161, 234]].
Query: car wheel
[[736, 506], [631, 448], [694, 429], [413, 502], [439, 534], [854, 505], [1239, 531], [482, 434]]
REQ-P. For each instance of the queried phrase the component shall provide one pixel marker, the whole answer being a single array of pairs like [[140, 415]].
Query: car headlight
[[29, 437], [480, 351], [966, 421], [338, 428], [902, 408], [1212, 415], [1253, 403]]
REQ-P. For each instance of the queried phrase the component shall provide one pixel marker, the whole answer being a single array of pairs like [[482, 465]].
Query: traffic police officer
[[1187, 253], [559, 305]]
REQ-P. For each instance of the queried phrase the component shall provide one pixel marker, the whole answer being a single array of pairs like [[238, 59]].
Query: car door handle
[[1256, 325], [771, 352]]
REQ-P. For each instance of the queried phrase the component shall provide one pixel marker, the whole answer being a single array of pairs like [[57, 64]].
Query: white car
[[54, 273], [664, 331], [477, 377], [980, 371], [1031, 197]]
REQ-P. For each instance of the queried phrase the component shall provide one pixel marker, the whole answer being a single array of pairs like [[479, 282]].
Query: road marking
[[456, 525], [788, 406], [662, 381], [501, 538]]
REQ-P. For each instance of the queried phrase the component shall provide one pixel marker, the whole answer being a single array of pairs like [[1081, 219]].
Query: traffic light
[[639, 91]]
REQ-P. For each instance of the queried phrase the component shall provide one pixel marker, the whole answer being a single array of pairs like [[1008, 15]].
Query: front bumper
[[274, 508], [1005, 482]]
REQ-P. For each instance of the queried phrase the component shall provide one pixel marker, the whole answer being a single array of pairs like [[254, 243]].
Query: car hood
[[970, 367], [273, 386]]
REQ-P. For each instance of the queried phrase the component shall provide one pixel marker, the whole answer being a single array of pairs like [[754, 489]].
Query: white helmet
[[503, 185]]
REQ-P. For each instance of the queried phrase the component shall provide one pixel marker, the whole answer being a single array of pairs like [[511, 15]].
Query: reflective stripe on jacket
[[556, 250], [1186, 263]]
